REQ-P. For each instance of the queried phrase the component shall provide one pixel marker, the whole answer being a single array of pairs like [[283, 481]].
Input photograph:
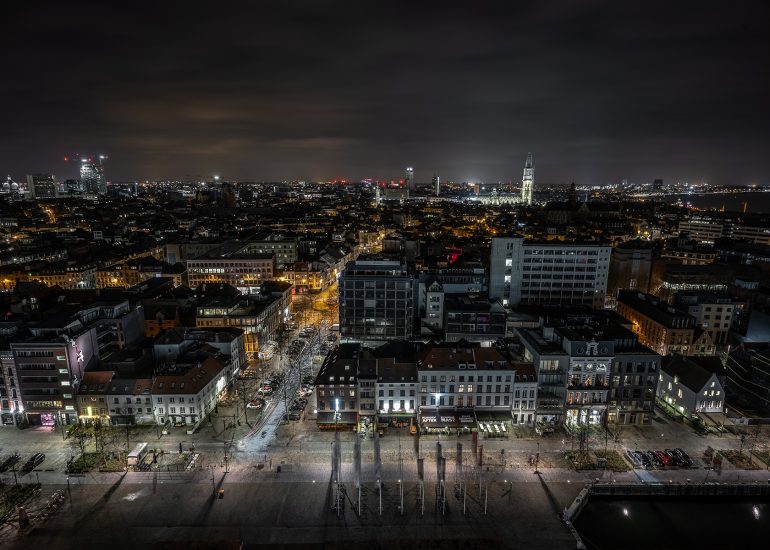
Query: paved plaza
[[295, 506]]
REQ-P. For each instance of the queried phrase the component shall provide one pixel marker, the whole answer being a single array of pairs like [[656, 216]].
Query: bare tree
[[79, 436]]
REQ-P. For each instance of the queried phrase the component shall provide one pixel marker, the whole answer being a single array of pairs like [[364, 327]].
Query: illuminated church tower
[[528, 180]]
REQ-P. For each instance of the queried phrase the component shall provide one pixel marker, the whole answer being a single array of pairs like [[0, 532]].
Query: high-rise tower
[[42, 186], [92, 175], [437, 184], [409, 178], [528, 180]]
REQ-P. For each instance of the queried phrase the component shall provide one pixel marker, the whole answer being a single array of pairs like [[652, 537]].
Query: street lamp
[[336, 412], [438, 413]]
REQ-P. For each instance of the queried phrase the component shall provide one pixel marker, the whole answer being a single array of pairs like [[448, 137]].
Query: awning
[[494, 416], [384, 418], [342, 418], [446, 418]]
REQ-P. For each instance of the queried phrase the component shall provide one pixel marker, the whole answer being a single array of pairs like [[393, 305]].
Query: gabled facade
[[687, 387]]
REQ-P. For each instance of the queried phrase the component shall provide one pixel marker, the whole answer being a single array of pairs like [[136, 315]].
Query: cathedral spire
[[528, 180]]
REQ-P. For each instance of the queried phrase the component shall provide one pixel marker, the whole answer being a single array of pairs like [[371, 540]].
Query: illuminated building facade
[[92, 176], [528, 180]]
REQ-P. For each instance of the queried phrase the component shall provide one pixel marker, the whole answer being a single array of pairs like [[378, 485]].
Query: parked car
[[643, 458], [676, 460], [654, 459], [256, 404], [34, 461], [684, 456], [663, 458], [635, 461]]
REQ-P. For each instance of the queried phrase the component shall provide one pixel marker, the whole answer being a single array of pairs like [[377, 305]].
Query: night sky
[[598, 91]]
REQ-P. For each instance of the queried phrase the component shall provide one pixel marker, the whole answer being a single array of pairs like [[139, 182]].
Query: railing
[[679, 489]]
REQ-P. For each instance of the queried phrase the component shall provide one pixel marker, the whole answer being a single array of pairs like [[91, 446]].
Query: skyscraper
[[437, 184], [409, 181], [42, 186], [92, 175], [528, 180]]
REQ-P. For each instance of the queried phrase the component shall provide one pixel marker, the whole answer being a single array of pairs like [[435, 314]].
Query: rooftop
[[689, 373], [340, 365], [445, 358], [656, 309], [192, 381]]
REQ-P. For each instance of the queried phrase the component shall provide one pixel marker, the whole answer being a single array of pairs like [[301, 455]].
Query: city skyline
[[598, 92], [385, 275]]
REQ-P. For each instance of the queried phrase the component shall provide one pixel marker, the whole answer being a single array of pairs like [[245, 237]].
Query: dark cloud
[[599, 91]]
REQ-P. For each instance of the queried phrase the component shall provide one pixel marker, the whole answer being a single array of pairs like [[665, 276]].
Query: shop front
[[331, 420], [51, 419], [446, 420], [393, 420]]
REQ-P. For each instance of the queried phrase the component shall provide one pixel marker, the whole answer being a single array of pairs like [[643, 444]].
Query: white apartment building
[[689, 388], [525, 394], [753, 234], [548, 272], [713, 312], [703, 230], [245, 272], [455, 383], [189, 395]]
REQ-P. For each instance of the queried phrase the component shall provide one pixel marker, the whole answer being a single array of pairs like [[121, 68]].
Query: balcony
[[585, 403], [594, 387]]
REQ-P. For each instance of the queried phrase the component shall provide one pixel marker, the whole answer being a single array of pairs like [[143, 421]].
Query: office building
[[703, 230], [42, 186], [548, 272], [284, 247], [231, 264], [748, 375], [92, 176], [756, 234], [50, 366], [376, 297], [630, 267], [409, 179], [473, 320], [663, 328]]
